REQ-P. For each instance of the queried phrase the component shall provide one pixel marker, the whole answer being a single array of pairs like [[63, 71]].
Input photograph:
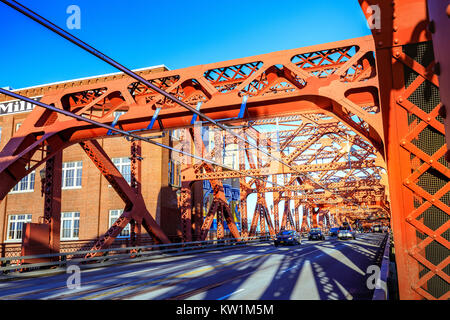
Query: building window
[[15, 226], [113, 216], [124, 167], [174, 174], [175, 134], [25, 185], [71, 175], [70, 222]]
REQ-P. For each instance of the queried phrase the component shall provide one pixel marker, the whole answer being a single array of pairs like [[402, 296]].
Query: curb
[[381, 290]]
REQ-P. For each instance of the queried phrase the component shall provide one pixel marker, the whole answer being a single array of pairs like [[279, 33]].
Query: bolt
[[397, 54], [407, 182], [431, 161], [380, 43], [448, 10], [403, 142], [428, 119], [395, 28], [395, 40]]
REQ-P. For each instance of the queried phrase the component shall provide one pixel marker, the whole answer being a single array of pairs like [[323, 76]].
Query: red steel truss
[[379, 94]]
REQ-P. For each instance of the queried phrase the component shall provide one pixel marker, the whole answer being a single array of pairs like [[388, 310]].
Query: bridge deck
[[329, 269]]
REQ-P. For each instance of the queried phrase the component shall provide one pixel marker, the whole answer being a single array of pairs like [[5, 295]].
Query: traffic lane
[[182, 285], [204, 279], [209, 273], [330, 270], [92, 279], [130, 281]]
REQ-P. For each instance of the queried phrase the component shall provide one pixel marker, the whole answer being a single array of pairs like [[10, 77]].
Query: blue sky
[[175, 33]]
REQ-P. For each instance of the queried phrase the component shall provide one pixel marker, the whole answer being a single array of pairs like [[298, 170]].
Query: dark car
[[288, 237], [316, 234], [333, 232]]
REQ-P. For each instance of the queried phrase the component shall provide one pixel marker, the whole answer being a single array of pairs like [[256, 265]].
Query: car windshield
[[334, 229], [286, 233], [344, 228], [315, 230]]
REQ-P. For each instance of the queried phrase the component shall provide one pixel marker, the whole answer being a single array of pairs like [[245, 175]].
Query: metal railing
[[123, 255]]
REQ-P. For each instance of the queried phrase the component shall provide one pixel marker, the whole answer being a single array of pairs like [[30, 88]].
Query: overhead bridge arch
[[328, 77]]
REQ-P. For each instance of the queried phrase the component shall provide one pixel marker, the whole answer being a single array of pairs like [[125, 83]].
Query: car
[[287, 237], [316, 234], [377, 228], [333, 232], [346, 232]]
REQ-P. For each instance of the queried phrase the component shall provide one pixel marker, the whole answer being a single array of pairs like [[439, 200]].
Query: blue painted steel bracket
[[194, 117], [113, 124], [155, 116]]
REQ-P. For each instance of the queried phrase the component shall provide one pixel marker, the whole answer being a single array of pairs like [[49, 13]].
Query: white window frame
[[175, 134], [174, 172], [29, 180], [114, 214], [78, 166], [122, 163], [71, 217], [16, 219], [18, 126]]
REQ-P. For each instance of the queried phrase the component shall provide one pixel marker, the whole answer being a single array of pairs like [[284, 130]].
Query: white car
[[346, 233]]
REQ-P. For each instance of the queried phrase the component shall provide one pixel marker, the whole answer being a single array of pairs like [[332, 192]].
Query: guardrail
[[130, 254], [381, 289]]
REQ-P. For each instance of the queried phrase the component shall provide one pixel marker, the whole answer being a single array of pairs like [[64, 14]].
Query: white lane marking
[[305, 287], [339, 256], [346, 294]]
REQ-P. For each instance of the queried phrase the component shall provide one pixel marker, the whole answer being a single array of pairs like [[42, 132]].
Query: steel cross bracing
[[361, 150], [368, 84], [412, 48], [344, 53]]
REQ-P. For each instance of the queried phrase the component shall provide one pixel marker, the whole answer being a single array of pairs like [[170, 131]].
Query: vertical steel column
[[219, 219], [304, 227], [185, 205], [136, 175], [276, 215], [297, 215], [52, 200], [243, 188], [243, 209]]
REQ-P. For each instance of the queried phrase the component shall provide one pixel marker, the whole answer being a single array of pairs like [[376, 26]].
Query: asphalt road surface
[[315, 270]]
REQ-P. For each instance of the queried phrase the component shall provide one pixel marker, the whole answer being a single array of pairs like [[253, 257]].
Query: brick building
[[89, 204]]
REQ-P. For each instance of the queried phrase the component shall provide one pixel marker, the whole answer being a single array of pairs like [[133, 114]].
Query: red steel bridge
[[372, 110]]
